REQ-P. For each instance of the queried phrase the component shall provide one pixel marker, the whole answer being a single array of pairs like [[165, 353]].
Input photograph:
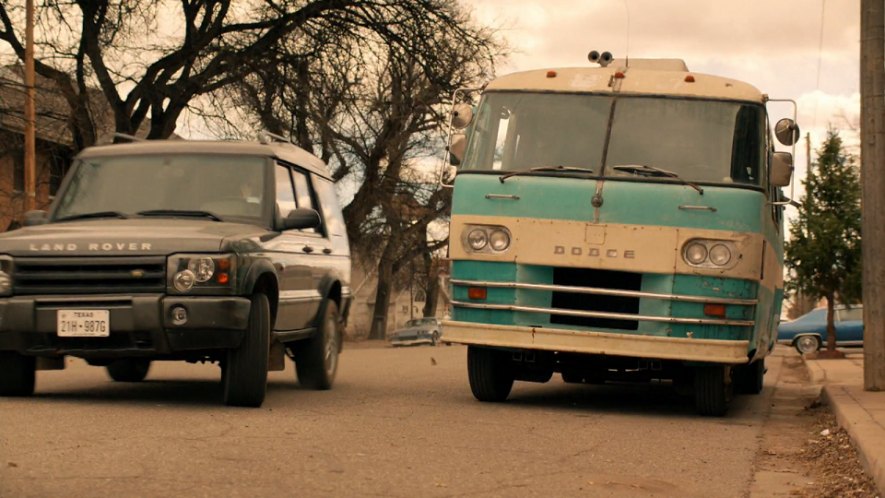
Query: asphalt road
[[399, 422]]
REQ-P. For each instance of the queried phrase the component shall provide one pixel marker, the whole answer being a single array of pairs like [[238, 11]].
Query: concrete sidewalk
[[861, 413]]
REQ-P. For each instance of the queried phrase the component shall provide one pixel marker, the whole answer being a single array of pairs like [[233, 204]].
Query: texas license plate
[[84, 323]]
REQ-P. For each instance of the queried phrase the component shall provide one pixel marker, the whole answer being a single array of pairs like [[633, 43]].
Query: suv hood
[[127, 237]]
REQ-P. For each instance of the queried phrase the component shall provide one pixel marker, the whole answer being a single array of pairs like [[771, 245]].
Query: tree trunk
[[382, 299], [831, 324], [431, 286]]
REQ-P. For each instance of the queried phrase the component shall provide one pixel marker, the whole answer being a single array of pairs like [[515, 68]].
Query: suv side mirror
[[35, 217], [301, 218], [781, 169]]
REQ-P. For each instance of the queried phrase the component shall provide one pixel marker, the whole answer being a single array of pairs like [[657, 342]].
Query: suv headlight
[[707, 253], [485, 238], [200, 273], [5, 275]]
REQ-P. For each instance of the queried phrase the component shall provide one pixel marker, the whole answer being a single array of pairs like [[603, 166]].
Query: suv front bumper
[[140, 325]]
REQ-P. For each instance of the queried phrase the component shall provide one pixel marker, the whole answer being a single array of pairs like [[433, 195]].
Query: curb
[[866, 434]]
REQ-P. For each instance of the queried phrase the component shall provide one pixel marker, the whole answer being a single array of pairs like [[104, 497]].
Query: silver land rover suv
[[228, 252]]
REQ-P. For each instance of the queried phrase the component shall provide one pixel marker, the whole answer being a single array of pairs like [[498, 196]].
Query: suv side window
[[331, 211], [302, 194], [285, 193]]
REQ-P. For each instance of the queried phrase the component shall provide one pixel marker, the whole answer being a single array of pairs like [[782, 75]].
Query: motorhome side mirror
[[35, 217], [301, 218], [781, 169], [462, 115], [449, 174], [457, 147], [787, 131]]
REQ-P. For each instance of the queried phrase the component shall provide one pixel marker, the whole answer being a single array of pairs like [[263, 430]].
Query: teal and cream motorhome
[[618, 222]]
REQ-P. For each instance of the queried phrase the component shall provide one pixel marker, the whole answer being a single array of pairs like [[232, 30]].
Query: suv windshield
[[698, 140], [203, 186]]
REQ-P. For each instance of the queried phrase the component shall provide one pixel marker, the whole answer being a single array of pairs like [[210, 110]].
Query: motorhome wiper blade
[[97, 214], [643, 170], [179, 212], [571, 169]]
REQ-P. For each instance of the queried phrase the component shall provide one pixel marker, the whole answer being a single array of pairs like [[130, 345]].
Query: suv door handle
[[307, 249]]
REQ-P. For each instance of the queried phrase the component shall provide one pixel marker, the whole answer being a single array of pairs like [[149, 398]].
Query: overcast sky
[[806, 50]]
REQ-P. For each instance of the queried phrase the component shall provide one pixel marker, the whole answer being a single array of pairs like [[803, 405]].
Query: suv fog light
[[179, 315], [184, 280]]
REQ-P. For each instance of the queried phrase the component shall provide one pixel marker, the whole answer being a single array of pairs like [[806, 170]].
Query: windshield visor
[[226, 186], [698, 140]]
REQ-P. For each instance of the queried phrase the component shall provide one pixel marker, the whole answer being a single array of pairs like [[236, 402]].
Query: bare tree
[[209, 46], [374, 110]]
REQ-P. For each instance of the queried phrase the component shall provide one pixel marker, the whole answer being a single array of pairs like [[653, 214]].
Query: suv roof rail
[[131, 138], [267, 137]]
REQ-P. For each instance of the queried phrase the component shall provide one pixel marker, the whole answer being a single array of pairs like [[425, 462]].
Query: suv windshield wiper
[[179, 212], [643, 170], [97, 214], [538, 169]]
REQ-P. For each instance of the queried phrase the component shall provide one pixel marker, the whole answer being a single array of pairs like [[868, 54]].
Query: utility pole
[[30, 165], [872, 155]]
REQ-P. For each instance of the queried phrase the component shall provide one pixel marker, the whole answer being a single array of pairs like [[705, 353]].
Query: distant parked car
[[418, 331], [809, 332]]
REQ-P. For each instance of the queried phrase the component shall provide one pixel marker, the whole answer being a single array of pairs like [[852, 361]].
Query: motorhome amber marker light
[[477, 292], [551, 74], [689, 78], [619, 75], [713, 309]]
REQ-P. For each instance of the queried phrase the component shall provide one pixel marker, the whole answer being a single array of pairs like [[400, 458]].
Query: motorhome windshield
[[698, 140]]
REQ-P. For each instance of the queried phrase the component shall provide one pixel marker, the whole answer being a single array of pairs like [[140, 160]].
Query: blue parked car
[[809, 332]]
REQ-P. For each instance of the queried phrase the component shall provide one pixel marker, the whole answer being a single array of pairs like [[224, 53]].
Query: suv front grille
[[86, 275], [604, 279]]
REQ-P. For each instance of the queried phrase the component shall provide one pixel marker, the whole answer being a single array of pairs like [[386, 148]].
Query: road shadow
[[169, 392], [656, 399]]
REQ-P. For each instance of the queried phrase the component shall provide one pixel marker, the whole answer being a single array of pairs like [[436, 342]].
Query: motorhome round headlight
[[184, 280], [202, 268], [477, 239], [696, 253], [720, 255], [499, 240]]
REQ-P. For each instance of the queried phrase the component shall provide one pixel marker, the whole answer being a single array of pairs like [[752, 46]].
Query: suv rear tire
[[245, 371], [316, 359], [17, 374], [129, 369]]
